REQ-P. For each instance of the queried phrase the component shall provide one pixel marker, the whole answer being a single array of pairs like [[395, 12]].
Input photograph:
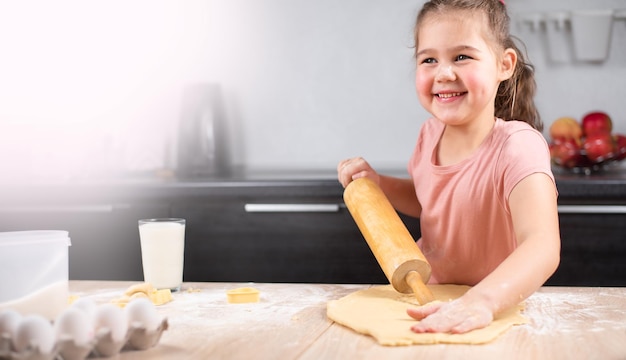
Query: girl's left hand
[[456, 317]]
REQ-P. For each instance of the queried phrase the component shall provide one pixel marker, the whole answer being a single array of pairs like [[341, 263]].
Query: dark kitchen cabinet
[[280, 236], [227, 243], [286, 230], [103, 229], [593, 246]]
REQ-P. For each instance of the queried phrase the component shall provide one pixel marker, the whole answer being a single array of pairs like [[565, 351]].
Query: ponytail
[[515, 97]]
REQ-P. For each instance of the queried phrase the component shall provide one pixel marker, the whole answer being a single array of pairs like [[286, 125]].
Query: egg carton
[[103, 345]]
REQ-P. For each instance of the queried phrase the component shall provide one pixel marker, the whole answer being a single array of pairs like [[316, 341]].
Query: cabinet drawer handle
[[592, 209], [291, 208]]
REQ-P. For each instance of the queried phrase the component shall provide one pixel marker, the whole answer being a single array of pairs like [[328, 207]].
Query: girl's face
[[458, 72]]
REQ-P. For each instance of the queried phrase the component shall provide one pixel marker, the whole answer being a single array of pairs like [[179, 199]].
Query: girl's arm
[[535, 219], [401, 194]]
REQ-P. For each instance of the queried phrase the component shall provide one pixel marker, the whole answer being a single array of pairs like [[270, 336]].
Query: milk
[[162, 252]]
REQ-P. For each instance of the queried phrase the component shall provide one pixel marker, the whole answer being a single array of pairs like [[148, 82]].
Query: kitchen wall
[[92, 89], [312, 82]]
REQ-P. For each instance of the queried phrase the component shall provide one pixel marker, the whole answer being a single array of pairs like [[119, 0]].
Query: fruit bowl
[[588, 146], [574, 158]]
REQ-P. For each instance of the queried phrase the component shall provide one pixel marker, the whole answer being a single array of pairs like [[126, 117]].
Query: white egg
[[9, 320], [142, 313], [111, 317], [36, 331], [87, 305], [76, 325]]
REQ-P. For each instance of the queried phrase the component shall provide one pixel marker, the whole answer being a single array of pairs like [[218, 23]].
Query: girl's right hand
[[355, 168]]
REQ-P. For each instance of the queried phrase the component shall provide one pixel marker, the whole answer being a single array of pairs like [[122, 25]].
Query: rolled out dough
[[380, 311]]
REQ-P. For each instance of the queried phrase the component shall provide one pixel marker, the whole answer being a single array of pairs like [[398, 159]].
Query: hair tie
[[502, 2]]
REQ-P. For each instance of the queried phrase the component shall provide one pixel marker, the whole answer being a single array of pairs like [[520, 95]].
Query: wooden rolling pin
[[393, 246]]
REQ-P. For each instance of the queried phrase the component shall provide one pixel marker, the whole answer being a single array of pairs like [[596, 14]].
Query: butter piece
[[161, 296], [243, 295]]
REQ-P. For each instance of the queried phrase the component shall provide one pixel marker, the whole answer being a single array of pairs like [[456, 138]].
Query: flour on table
[[381, 312]]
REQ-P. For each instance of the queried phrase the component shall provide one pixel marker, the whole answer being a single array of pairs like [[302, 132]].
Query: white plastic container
[[559, 37], [34, 271], [591, 30]]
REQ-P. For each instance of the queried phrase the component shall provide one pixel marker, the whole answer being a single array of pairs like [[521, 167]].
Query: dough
[[380, 311]]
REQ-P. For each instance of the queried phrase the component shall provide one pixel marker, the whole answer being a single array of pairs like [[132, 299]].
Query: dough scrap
[[380, 311], [144, 290]]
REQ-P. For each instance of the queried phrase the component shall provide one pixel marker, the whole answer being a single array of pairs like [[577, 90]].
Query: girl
[[481, 181]]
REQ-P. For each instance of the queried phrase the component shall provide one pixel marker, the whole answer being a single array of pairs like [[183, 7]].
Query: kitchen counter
[[290, 322], [607, 187]]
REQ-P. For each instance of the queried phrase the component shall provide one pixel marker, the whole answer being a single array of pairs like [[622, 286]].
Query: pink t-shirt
[[466, 224]]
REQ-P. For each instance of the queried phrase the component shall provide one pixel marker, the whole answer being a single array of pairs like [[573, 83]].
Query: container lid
[[34, 237]]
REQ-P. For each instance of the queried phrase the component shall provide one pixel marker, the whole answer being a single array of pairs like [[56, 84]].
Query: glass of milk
[[162, 252]]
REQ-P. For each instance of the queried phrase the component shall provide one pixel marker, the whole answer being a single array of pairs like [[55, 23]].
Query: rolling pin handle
[[421, 292]]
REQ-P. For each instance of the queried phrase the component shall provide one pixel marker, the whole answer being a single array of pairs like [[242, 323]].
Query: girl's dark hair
[[514, 100]]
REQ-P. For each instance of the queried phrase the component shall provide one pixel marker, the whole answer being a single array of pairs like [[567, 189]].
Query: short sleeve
[[524, 152]]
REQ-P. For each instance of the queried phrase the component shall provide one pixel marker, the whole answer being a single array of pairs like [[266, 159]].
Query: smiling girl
[[481, 182]]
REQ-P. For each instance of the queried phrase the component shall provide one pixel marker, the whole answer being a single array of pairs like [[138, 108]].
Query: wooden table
[[290, 323]]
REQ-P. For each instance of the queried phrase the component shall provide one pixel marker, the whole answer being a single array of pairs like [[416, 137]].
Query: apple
[[599, 147], [565, 152], [566, 128], [596, 122], [620, 146]]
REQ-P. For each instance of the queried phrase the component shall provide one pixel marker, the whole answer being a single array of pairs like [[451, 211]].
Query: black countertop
[[608, 187]]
